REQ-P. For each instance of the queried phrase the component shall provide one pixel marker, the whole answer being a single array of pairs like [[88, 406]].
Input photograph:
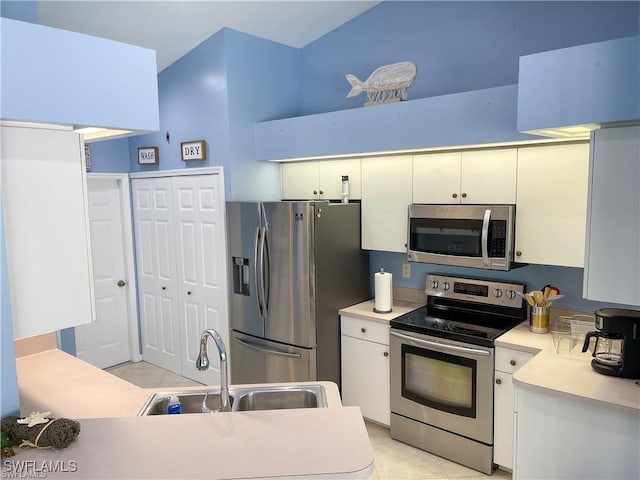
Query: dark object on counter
[[6, 445], [617, 348], [56, 433]]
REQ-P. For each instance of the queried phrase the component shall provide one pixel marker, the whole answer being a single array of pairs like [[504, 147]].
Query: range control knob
[[445, 286], [497, 293], [511, 294], [434, 284]]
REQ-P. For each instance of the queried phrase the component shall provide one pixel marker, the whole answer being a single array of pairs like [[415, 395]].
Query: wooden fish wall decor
[[386, 84]]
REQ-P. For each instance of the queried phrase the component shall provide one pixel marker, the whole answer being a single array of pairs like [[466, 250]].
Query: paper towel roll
[[383, 292]]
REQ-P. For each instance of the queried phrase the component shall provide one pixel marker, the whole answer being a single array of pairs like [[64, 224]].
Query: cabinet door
[[330, 178], [612, 269], [386, 195], [551, 205], [300, 181], [198, 208], [503, 420], [436, 177], [46, 227], [489, 176], [365, 378], [156, 267]]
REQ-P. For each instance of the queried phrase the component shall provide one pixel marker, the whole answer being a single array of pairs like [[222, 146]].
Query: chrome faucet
[[202, 364]]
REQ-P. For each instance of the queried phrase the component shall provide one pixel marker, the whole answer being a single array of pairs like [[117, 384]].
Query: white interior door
[[106, 342], [201, 274], [156, 262]]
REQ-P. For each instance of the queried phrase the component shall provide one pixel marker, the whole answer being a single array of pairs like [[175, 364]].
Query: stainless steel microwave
[[478, 236]]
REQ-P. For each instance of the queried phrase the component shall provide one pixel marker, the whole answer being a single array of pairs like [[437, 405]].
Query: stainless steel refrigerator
[[292, 266]]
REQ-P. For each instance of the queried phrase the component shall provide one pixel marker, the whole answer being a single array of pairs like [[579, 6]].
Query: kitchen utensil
[[538, 297], [527, 298], [552, 299]]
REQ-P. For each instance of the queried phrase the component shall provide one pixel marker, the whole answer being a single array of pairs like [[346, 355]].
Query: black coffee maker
[[617, 348]]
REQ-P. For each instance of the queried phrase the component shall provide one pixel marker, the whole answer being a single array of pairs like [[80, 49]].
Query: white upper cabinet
[[386, 196], [612, 261], [320, 180], [468, 177], [46, 226], [551, 204]]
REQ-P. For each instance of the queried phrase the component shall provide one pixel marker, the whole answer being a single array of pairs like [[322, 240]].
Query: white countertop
[[365, 311], [115, 443], [568, 375]]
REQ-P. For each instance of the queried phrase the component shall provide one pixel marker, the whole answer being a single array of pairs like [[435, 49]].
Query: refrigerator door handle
[[261, 264], [268, 350], [266, 272], [256, 273]]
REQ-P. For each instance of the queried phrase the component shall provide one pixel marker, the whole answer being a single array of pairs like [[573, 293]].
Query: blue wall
[[110, 156], [9, 403], [568, 280], [456, 46], [263, 81]]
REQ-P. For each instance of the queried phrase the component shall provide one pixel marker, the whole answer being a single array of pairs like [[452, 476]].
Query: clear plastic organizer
[[568, 333]]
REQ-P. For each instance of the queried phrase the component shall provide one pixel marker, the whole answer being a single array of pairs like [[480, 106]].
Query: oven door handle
[[485, 237], [443, 346]]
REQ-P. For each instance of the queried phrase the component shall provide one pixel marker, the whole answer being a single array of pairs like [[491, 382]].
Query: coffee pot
[[617, 342]]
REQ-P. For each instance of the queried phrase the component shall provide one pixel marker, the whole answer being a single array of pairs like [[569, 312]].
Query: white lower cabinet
[[365, 367], [507, 363]]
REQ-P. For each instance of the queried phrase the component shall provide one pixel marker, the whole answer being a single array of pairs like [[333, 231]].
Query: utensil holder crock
[[539, 319]]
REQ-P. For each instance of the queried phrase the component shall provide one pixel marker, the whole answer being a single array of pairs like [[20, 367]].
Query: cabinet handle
[[321, 192], [315, 192], [121, 283], [188, 293], [363, 330], [464, 195], [518, 253], [164, 288], [498, 381], [386, 354], [455, 195], [512, 363]]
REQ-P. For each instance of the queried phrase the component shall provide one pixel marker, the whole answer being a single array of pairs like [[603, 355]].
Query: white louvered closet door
[[156, 263], [198, 207]]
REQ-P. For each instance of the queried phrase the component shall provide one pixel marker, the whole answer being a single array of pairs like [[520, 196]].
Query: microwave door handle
[[485, 237]]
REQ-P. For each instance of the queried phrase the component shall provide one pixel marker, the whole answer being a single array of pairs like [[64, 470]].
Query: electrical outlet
[[406, 270]]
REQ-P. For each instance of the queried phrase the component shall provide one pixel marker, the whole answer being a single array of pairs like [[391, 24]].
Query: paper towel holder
[[390, 299]]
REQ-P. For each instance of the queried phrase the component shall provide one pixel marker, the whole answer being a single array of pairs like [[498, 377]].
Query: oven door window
[[439, 380]]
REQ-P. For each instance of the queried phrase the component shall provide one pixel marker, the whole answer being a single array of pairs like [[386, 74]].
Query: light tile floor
[[393, 460]]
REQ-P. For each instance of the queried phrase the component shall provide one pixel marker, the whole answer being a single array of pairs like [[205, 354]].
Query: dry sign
[[193, 150]]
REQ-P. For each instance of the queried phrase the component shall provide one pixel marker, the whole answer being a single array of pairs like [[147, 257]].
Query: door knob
[[121, 283]]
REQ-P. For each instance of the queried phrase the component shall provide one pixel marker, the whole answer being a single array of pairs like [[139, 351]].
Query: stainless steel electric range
[[442, 364]]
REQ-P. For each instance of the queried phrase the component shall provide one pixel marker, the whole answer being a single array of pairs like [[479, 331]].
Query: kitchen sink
[[277, 399], [191, 402], [242, 399]]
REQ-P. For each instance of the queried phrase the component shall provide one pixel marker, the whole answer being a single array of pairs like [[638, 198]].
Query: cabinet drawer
[[365, 330], [510, 361]]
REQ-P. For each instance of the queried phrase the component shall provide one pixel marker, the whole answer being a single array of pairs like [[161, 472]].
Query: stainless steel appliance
[[442, 367], [292, 266], [617, 348], [479, 236]]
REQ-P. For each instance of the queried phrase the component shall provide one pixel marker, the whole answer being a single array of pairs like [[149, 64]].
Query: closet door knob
[[464, 195], [188, 293], [386, 354], [363, 330], [121, 283], [498, 381], [455, 195], [164, 288]]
